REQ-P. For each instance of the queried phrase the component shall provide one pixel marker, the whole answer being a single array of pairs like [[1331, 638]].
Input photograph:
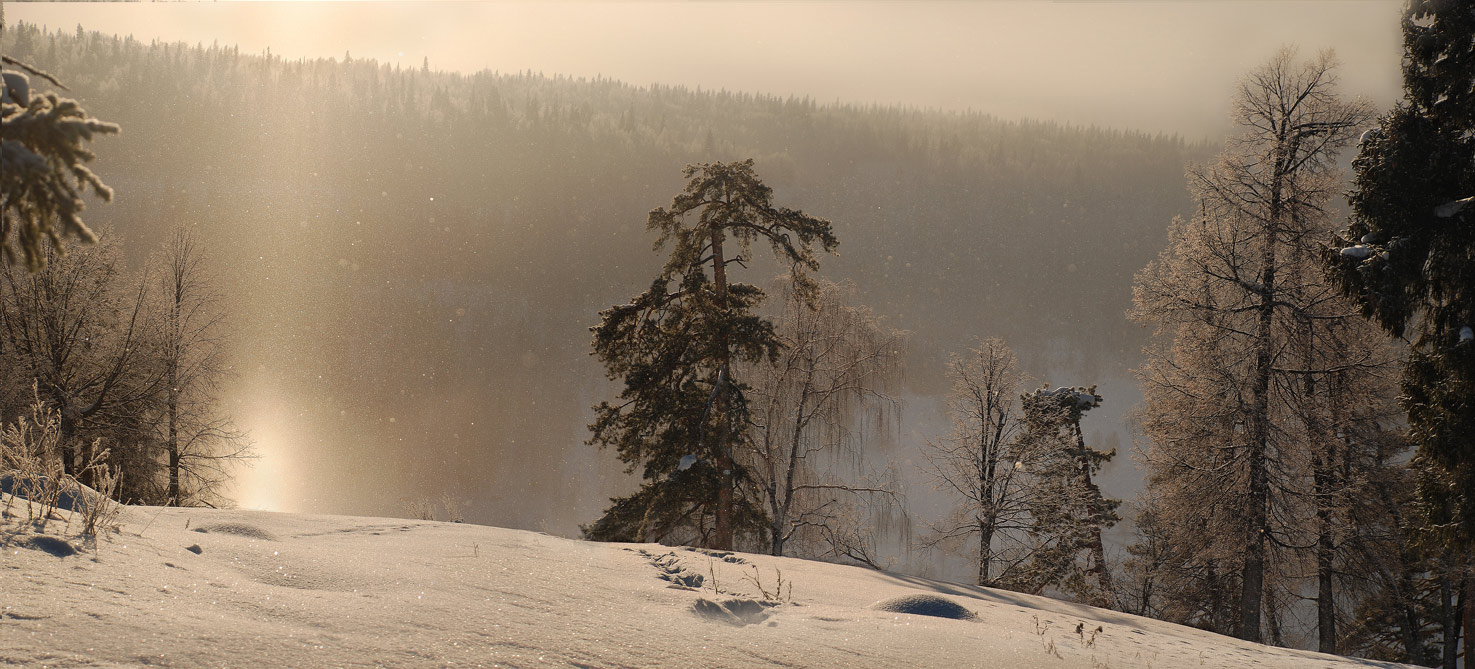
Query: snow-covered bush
[[34, 478]]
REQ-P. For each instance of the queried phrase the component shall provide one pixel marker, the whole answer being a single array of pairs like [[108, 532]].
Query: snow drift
[[198, 587]]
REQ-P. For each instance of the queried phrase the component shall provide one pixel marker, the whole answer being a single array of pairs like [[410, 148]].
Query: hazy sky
[[1154, 66]]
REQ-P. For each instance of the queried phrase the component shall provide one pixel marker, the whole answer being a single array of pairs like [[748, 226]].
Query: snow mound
[[239, 529], [925, 605], [737, 612], [52, 545], [73, 495]]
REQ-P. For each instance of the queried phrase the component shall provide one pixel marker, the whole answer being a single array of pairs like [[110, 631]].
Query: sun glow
[[260, 486]]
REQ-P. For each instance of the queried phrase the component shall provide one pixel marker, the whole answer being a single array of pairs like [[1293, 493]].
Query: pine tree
[[1408, 258], [43, 165], [1067, 509], [682, 412]]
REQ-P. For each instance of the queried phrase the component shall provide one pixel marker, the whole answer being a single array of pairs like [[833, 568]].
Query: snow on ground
[[232, 588]]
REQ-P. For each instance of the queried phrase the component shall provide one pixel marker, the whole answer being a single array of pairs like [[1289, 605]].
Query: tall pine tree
[[1408, 258], [682, 413]]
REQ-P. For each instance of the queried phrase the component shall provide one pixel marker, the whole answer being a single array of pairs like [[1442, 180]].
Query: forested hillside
[[416, 256]]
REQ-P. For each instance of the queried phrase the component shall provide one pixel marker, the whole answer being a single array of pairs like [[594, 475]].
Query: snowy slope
[[272, 589]]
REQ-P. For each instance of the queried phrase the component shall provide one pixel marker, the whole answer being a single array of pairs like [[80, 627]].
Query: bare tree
[[1222, 290], [814, 412], [76, 331], [981, 463], [199, 443]]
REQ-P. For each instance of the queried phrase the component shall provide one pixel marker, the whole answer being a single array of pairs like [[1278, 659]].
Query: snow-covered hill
[[193, 587]]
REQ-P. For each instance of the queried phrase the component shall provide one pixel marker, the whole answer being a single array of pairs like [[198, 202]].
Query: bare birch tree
[[981, 463], [815, 411], [199, 442]]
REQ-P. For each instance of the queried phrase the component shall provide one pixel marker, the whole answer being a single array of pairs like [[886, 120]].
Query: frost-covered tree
[[814, 414], [1067, 511], [43, 165], [683, 413], [189, 336], [982, 464], [76, 330], [1216, 406]]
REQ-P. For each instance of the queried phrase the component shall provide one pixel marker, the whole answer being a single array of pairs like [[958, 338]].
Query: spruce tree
[[43, 164], [682, 413], [1067, 509], [1408, 258]]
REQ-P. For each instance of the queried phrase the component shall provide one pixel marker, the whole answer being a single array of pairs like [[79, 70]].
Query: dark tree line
[[1408, 262]]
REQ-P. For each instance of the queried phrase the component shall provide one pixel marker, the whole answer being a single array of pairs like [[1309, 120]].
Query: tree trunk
[[989, 515], [73, 454], [1326, 609], [1253, 575], [1322, 476], [985, 549], [1404, 582], [1467, 607], [1217, 622], [173, 438], [1272, 620], [1252, 580], [723, 533], [1448, 618], [172, 392], [1097, 548]]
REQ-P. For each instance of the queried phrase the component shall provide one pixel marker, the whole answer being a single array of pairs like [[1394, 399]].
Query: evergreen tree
[[1067, 510], [43, 164], [682, 412], [1408, 258]]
